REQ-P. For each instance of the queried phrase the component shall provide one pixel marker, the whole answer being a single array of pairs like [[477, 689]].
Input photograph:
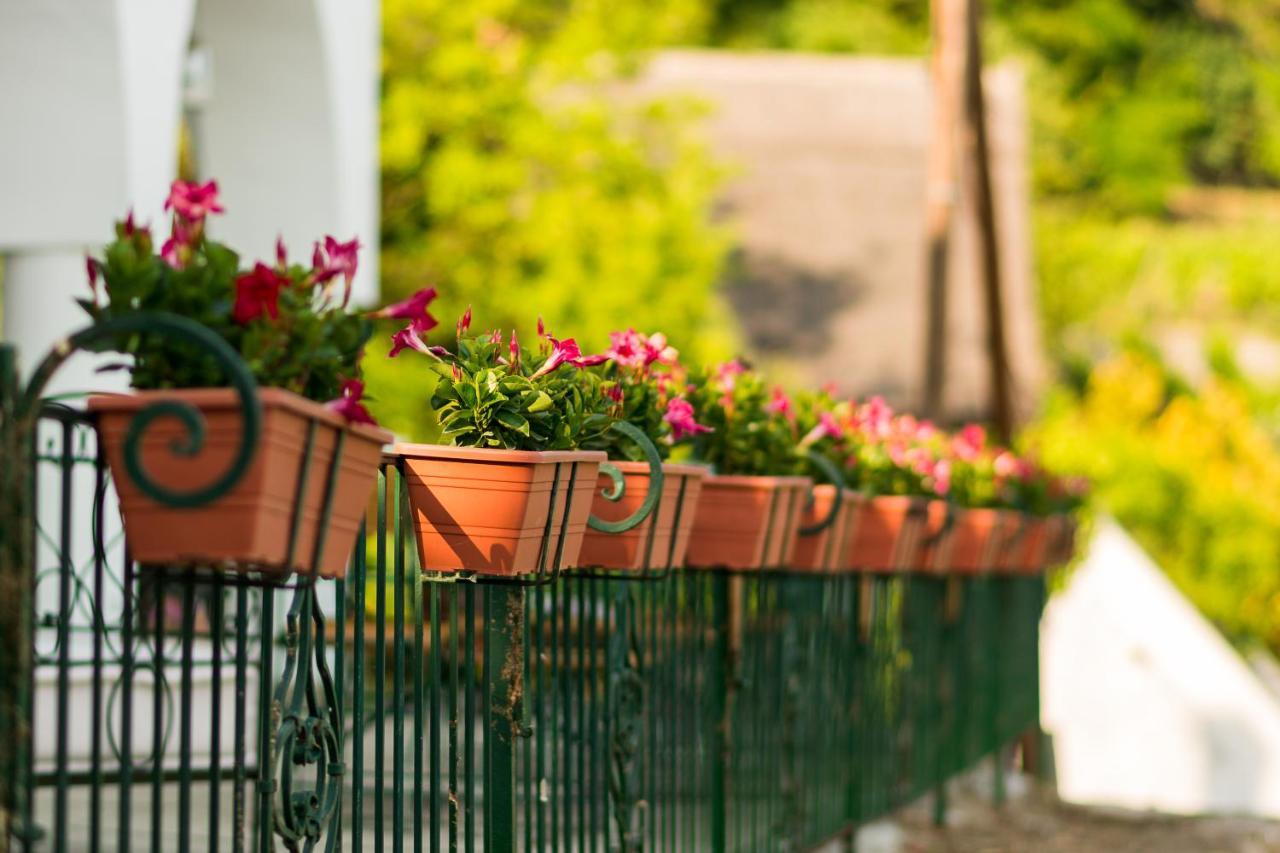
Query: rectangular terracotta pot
[[1062, 539], [1034, 552], [934, 551], [974, 540], [1010, 538], [500, 512], [824, 551], [888, 533], [651, 544], [248, 528], [746, 522]]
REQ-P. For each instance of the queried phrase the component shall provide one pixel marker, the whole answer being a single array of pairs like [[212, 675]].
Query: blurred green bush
[[521, 178], [1190, 474]]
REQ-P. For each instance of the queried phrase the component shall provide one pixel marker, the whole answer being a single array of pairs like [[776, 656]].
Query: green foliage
[[309, 347], [514, 173], [642, 405], [1191, 475], [1130, 99], [746, 437], [484, 399], [1102, 280]]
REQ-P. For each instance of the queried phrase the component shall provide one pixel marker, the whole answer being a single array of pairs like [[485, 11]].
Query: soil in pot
[[746, 522], [650, 544], [503, 512], [251, 526]]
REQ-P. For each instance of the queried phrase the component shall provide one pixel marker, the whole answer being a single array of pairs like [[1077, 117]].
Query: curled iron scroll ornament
[[20, 408], [626, 716], [835, 478], [310, 723], [618, 486]]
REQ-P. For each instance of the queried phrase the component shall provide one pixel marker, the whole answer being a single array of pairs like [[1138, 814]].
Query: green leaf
[[541, 403]]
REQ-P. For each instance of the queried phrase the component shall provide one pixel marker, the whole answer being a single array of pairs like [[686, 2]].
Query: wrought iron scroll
[[626, 714], [618, 486], [20, 408], [835, 478]]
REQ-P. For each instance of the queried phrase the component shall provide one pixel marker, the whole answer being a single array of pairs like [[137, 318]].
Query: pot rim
[[229, 398], [492, 454], [744, 481], [679, 469]]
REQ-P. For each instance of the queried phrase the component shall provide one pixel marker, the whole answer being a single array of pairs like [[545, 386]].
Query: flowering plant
[[492, 392], [737, 423], [637, 382], [880, 452], [289, 321]]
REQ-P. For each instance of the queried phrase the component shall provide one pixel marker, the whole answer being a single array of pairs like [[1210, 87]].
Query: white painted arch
[[91, 95]]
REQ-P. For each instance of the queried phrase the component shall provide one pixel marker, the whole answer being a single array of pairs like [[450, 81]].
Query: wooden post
[[978, 148], [941, 192]]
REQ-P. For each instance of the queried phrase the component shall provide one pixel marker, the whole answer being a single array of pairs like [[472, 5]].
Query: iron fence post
[[720, 684], [504, 676]]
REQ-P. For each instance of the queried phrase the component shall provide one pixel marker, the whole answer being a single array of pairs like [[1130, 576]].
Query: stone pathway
[[1037, 822]]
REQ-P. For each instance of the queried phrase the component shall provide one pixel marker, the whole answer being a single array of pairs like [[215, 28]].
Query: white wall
[[91, 97], [1149, 707]]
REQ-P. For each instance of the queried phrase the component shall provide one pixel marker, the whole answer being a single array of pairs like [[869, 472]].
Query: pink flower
[[567, 352], [780, 404], [258, 293], [413, 309], [969, 442], [875, 417], [348, 404], [942, 477], [614, 392], [336, 259], [91, 266], [410, 338], [656, 349], [464, 322], [626, 348], [192, 201], [1008, 466], [727, 373], [176, 251], [826, 427], [680, 416]]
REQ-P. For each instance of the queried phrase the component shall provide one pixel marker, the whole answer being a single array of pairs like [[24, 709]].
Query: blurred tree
[[519, 177]]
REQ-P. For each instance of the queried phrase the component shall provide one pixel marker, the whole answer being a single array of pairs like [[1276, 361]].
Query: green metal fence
[[393, 710]]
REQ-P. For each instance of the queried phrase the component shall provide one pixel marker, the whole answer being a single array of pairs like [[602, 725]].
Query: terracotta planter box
[[650, 544], [974, 540], [1011, 538], [824, 551], [889, 528], [493, 511], [1034, 553], [747, 522], [1061, 539], [934, 552], [249, 527]]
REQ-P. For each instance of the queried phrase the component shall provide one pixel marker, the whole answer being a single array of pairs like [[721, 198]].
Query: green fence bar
[[401, 710]]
